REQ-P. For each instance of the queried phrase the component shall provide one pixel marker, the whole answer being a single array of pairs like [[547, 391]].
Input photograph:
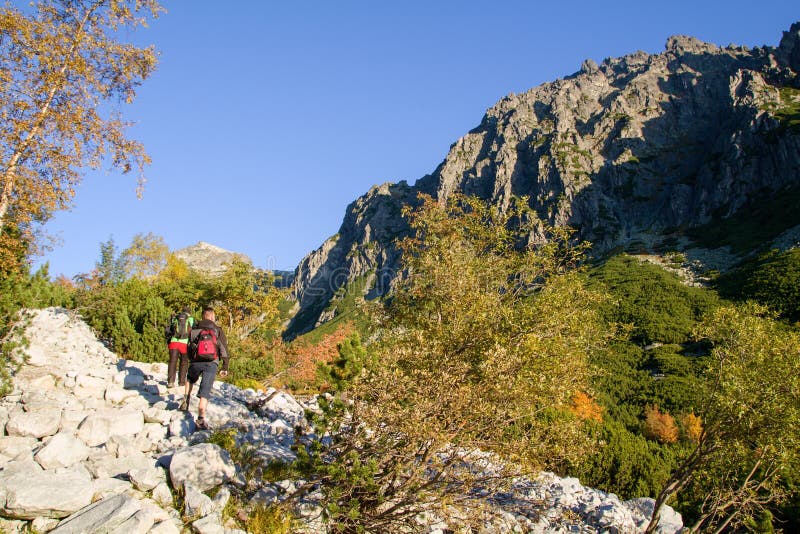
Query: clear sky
[[285, 112]]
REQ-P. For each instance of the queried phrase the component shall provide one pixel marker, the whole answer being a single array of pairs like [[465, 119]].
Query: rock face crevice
[[624, 151]]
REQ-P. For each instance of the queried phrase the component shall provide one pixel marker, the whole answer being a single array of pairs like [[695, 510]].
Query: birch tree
[[63, 75]]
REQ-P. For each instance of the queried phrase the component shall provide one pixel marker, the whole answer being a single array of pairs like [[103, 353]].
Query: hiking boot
[[170, 385], [184, 407], [201, 424]]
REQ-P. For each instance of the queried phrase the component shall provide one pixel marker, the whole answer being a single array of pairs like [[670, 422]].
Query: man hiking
[[207, 346], [177, 339]]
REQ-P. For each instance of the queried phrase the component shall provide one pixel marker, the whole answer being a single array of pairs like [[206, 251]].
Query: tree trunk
[[9, 174]]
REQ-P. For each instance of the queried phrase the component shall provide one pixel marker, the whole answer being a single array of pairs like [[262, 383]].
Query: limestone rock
[[53, 493], [182, 425], [117, 395], [146, 479], [37, 424], [44, 524], [12, 446], [162, 494], [103, 516], [108, 487], [204, 466], [221, 499], [207, 258], [63, 450], [110, 466], [669, 522], [97, 427], [165, 527], [197, 504], [210, 524]]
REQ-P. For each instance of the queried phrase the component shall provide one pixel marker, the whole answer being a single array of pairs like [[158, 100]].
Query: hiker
[[207, 346], [177, 340]]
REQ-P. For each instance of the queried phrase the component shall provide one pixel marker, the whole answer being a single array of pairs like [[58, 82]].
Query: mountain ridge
[[631, 152]]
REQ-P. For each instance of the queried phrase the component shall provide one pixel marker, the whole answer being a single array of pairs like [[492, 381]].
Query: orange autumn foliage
[[586, 408], [297, 363], [660, 426]]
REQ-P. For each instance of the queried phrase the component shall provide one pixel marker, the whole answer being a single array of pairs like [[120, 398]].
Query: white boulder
[[63, 450], [204, 466], [35, 424]]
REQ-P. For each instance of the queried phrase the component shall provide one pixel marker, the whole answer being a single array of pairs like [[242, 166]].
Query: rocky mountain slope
[[90, 443], [632, 152], [212, 260], [207, 258]]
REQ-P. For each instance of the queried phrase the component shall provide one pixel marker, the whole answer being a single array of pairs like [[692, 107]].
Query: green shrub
[[773, 280], [627, 464], [654, 301], [343, 369]]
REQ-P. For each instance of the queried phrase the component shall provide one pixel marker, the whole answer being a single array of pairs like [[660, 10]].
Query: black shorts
[[209, 372]]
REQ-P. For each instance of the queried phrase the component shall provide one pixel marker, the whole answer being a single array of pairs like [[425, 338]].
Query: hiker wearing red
[[177, 341], [207, 347]]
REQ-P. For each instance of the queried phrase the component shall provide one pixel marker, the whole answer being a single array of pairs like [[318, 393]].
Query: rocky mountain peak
[[789, 48], [207, 258], [685, 44], [630, 152]]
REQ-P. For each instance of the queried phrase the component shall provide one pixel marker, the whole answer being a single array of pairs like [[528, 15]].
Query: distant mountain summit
[[680, 150], [207, 258]]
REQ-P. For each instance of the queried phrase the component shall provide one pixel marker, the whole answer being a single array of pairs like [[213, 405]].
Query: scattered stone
[[97, 427], [110, 466], [182, 425], [44, 524], [196, 504], [107, 515], [221, 499], [164, 527], [162, 494], [642, 508], [265, 496], [157, 415], [53, 493], [138, 523], [146, 479], [13, 526], [36, 424], [63, 450], [204, 466], [117, 395], [108, 487], [210, 524], [12, 446]]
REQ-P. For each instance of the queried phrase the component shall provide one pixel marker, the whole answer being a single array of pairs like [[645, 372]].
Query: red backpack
[[206, 348]]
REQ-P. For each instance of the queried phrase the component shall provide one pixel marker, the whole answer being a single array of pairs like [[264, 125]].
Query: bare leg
[[201, 410]]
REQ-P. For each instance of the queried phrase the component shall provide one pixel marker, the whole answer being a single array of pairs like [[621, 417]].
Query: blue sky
[[285, 112]]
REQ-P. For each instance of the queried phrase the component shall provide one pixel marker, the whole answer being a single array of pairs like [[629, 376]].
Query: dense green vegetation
[[653, 363], [772, 279], [763, 218], [637, 417]]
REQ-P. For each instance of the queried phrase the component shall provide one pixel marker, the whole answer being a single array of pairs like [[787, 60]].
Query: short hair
[[208, 310], [187, 309]]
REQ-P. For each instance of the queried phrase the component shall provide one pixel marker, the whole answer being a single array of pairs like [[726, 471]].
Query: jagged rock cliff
[[628, 151]]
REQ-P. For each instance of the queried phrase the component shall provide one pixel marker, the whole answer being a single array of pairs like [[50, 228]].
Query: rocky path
[[90, 443], [93, 443]]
